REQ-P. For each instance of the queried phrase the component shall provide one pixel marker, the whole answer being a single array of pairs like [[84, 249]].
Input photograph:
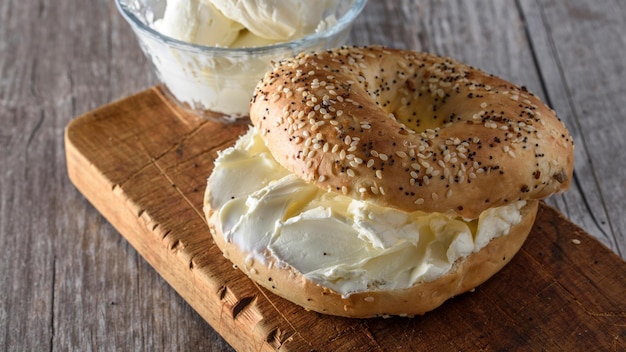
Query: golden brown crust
[[460, 141], [419, 299]]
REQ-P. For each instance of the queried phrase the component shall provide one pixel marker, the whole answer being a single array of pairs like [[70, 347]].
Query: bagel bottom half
[[466, 274]]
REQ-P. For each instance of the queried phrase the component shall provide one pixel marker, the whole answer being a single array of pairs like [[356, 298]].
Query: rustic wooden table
[[69, 281]]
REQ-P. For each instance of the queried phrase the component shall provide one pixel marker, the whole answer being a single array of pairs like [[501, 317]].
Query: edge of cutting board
[[142, 162]]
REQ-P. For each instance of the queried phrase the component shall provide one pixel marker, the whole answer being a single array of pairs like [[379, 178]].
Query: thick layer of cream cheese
[[344, 244]]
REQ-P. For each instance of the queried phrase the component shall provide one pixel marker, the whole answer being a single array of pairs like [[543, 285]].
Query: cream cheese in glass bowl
[[210, 54]]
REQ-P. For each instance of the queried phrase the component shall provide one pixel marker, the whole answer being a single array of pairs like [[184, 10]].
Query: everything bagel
[[411, 131], [380, 182]]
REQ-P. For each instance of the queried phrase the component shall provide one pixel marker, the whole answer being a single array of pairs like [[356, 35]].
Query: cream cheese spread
[[338, 242], [279, 20], [221, 82], [199, 22]]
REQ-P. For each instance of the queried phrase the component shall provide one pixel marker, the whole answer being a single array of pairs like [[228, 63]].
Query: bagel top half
[[411, 131]]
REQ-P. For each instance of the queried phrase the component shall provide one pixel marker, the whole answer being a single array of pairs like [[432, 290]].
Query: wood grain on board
[[143, 162]]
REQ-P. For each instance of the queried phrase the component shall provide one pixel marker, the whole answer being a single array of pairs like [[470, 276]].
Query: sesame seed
[[350, 172], [419, 201]]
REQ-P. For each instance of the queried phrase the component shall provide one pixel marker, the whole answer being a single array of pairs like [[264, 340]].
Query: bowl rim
[[342, 23]]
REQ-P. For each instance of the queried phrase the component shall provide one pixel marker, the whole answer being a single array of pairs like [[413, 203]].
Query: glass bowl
[[218, 82]]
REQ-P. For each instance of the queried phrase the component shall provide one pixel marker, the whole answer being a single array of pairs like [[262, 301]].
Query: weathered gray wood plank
[[577, 45]]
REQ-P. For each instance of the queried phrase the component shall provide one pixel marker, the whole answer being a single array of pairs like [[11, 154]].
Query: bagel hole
[[418, 120]]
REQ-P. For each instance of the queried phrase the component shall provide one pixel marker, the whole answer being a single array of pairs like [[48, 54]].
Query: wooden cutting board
[[142, 162]]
